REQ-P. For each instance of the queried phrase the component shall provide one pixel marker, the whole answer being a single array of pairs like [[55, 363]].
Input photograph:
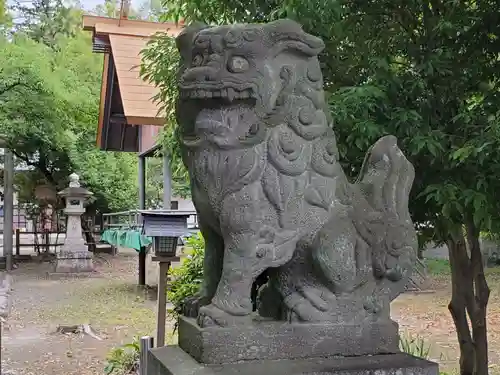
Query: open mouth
[[228, 94]]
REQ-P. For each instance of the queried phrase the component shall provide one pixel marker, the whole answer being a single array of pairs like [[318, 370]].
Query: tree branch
[[46, 173], [9, 87]]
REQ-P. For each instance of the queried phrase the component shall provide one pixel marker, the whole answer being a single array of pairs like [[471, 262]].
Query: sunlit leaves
[[427, 76], [50, 119], [160, 66]]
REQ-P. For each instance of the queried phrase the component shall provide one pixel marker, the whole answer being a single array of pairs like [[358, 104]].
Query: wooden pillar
[[162, 303], [167, 182], [163, 267], [142, 183], [142, 267], [142, 206]]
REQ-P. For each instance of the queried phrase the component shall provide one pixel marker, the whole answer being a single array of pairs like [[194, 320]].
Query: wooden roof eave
[[121, 69]]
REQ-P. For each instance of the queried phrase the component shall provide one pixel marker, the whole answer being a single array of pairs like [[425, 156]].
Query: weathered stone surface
[[171, 360], [279, 340], [74, 256], [5, 294], [271, 194], [74, 261]]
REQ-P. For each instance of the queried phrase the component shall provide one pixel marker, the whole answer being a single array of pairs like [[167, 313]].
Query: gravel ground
[[111, 303], [118, 310]]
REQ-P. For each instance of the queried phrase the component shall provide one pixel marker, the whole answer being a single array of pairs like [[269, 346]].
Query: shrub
[[414, 345], [123, 360], [187, 278]]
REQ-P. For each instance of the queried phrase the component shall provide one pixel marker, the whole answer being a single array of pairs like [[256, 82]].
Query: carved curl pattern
[[263, 159]]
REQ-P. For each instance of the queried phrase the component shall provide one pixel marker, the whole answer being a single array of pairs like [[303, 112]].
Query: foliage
[[187, 278], [49, 100], [147, 10], [428, 73], [5, 17], [438, 267], [124, 359], [159, 66], [394, 76], [414, 345], [45, 21]]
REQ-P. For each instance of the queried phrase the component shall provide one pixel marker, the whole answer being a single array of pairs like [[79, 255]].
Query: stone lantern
[[74, 255]]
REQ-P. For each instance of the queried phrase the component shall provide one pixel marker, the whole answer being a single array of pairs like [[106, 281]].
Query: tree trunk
[[477, 307], [470, 294], [461, 286]]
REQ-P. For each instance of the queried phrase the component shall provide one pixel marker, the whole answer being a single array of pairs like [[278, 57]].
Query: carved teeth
[[231, 94], [228, 93]]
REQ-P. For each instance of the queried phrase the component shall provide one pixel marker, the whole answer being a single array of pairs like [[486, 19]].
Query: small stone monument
[[74, 256], [258, 142]]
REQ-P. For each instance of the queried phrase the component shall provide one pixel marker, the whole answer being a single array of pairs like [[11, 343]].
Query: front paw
[[211, 315], [191, 305]]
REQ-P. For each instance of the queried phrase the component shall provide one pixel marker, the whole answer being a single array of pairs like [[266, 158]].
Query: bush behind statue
[[187, 278]]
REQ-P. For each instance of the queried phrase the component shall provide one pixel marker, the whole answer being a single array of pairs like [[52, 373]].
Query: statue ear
[[286, 34], [184, 40]]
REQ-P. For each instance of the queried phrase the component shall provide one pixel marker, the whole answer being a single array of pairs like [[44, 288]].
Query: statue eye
[[197, 60], [238, 64]]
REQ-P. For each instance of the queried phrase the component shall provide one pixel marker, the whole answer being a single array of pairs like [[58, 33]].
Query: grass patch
[[107, 305], [441, 267], [438, 267], [414, 345]]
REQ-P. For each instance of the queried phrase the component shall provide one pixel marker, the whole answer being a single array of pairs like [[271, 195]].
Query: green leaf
[[109, 368]]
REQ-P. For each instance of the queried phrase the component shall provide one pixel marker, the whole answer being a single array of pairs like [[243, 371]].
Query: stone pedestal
[[74, 261], [279, 348], [280, 340], [172, 360], [74, 257]]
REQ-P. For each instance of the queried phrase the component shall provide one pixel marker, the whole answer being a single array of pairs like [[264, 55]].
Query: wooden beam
[[89, 23], [103, 137], [136, 120], [102, 104]]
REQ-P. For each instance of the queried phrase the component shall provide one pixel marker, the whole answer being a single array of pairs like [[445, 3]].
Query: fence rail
[[132, 219]]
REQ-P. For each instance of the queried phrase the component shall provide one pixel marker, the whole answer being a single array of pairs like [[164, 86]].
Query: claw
[[318, 298], [191, 306], [302, 309], [211, 315]]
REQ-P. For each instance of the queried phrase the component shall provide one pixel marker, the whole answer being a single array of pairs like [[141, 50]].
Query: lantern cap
[[74, 180], [75, 190]]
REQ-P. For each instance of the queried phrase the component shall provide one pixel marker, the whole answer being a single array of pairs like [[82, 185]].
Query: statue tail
[[385, 180]]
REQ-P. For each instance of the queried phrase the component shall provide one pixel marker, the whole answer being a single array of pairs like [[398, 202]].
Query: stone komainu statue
[[271, 195]]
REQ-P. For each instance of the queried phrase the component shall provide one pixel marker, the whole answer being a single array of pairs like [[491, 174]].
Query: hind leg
[[303, 296]]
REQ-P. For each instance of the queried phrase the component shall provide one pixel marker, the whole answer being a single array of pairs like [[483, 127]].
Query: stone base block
[[171, 360], [74, 275], [270, 340], [74, 262]]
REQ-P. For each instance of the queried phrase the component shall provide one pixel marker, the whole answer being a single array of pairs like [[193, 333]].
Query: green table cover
[[129, 238]]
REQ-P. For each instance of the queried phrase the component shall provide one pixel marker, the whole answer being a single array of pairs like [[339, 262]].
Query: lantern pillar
[[74, 256]]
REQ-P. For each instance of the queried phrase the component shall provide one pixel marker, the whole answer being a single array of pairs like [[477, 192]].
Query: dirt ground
[[426, 315], [119, 311], [112, 304]]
